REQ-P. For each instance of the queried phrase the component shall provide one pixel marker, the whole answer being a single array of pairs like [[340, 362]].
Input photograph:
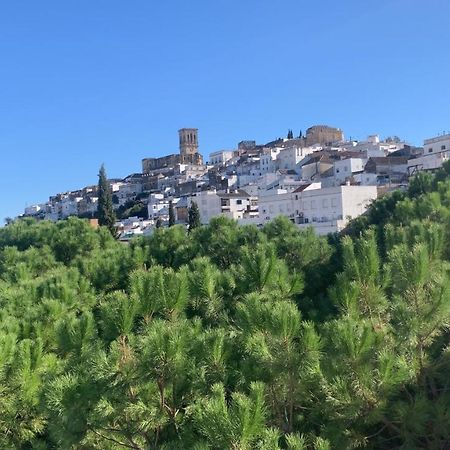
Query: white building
[[435, 152], [156, 203], [328, 210], [267, 161], [133, 227], [208, 204], [346, 168], [124, 192], [430, 161], [314, 166], [437, 144], [366, 179], [285, 179], [220, 157], [69, 206], [237, 205], [288, 158], [276, 202], [373, 147]]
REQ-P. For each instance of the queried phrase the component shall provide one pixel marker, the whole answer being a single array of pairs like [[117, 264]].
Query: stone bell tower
[[189, 146]]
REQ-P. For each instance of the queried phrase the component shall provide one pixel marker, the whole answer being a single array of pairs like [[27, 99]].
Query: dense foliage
[[230, 337]]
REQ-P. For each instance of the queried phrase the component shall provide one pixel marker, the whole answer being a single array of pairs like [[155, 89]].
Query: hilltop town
[[318, 179]]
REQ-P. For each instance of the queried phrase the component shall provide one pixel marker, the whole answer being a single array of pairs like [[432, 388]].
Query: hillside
[[230, 337]]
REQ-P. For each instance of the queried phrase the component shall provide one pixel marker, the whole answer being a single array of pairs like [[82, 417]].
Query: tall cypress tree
[[105, 210], [193, 216], [171, 214]]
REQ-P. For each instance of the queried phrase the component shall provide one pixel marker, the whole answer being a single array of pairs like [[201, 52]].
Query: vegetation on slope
[[230, 337]]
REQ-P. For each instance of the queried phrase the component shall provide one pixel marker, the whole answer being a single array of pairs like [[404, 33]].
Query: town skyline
[[88, 83], [204, 153], [317, 178]]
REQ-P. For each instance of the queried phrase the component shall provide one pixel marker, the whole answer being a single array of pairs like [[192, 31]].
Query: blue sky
[[89, 81]]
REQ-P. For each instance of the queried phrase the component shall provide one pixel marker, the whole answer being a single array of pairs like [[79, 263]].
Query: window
[[239, 202], [430, 150], [325, 203], [313, 204], [442, 147], [333, 202], [296, 197]]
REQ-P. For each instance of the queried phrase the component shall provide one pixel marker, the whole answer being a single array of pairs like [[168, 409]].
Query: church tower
[[189, 146]]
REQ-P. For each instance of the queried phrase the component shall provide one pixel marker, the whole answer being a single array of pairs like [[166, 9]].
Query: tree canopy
[[230, 337]]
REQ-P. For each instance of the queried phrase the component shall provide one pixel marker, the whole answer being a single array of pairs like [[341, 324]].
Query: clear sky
[[89, 81]]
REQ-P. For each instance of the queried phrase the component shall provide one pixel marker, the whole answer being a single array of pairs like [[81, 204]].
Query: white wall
[[356, 200], [344, 168], [326, 209], [436, 145], [208, 203], [366, 179], [274, 204], [334, 203], [220, 157], [156, 202], [267, 162], [429, 161], [374, 147], [235, 207], [288, 158]]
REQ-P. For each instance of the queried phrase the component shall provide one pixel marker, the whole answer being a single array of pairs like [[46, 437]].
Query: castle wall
[[151, 164], [322, 134]]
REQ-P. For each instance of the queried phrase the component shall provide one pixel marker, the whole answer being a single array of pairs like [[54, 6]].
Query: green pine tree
[[105, 210]]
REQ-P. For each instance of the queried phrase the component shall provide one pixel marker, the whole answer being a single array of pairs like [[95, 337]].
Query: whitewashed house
[[330, 209], [235, 205], [435, 152], [220, 157], [327, 210]]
